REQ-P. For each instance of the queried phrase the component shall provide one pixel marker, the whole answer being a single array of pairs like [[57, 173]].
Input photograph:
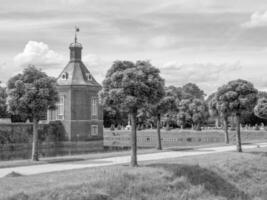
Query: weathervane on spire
[[76, 30]]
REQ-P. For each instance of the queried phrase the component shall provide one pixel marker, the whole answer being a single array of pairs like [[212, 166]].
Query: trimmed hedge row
[[22, 132]]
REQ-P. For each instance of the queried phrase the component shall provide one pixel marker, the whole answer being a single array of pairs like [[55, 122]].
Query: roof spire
[[76, 30]]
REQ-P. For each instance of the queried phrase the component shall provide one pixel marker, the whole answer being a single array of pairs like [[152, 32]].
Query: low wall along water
[[16, 141], [148, 138]]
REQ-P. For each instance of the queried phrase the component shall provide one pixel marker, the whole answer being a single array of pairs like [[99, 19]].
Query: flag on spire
[[76, 30]]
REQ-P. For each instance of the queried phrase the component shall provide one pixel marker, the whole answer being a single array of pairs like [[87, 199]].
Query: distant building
[[78, 107]]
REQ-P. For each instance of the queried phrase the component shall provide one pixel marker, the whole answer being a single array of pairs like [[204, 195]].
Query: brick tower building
[[78, 108]]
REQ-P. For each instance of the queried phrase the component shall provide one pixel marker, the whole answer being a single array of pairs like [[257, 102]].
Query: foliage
[[114, 116], [199, 111], [192, 91], [32, 93], [237, 96], [192, 111], [184, 115], [260, 109], [3, 105], [128, 86], [22, 133]]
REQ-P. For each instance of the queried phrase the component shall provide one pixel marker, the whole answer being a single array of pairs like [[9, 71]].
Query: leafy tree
[[250, 118], [129, 87], [236, 97], [219, 111], [192, 111], [184, 116], [199, 112], [213, 111], [192, 91], [3, 105], [262, 94], [31, 94], [166, 104]]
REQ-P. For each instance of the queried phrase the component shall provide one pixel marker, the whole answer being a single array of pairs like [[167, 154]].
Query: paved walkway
[[45, 168]]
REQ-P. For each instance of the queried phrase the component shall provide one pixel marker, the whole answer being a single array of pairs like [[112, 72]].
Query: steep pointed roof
[[75, 72]]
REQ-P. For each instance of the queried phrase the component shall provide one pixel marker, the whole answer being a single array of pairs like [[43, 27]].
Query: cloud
[[163, 41], [39, 54], [97, 66], [208, 76], [257, 19], [72, 2]]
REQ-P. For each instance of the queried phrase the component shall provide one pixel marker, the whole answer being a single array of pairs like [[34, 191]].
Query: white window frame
[[94, 107], [60, 108], [94, 130]]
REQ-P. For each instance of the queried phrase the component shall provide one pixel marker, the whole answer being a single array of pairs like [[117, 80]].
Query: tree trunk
[[238, 136], [198, 127], [159, 147], [226, 130], [35, 140], [217, 122], [167, 125], [133, 141]]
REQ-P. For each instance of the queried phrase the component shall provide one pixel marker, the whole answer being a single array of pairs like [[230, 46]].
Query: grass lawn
[[220, 176]]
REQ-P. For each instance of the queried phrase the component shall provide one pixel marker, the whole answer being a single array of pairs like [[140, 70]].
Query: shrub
[[119, 127]]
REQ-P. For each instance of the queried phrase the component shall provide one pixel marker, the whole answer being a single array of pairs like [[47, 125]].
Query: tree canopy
[[237, 96], [260, 109], [191, 91], [31, 93], [3, 104]]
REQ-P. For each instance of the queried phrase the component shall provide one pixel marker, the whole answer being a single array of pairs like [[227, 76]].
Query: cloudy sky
[[208, 42]]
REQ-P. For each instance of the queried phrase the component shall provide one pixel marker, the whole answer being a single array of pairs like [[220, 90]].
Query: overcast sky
[[208, 42]]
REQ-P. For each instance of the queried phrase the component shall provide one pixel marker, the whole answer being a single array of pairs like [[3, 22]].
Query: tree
[[167, 103], [192, 91], [3, 105], [192, 112], [184, 115], [219, 111], [237, 97], [31, 95], [199, 113], [129, 87]]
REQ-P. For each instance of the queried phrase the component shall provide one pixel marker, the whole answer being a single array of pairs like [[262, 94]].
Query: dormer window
[[89, 76], [65, 76]]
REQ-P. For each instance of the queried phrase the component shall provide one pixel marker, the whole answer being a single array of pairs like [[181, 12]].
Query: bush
[[53, 132], [257, 128], [119, 127]]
